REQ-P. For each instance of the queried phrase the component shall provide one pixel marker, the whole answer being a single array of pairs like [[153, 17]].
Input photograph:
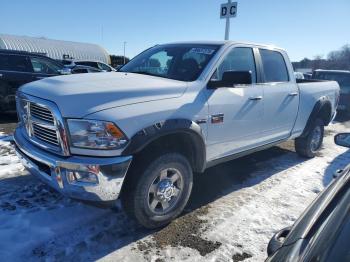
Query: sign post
[[228, 11]]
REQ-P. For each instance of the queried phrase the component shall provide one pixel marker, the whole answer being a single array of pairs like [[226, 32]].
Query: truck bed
[[310, 91]]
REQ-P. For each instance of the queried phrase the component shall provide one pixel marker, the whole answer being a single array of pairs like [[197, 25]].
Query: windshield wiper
[[148, 73], [145, 73]]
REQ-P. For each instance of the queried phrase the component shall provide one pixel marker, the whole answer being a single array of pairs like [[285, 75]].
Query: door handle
[[1, 75], [293, 94], [255, 98]]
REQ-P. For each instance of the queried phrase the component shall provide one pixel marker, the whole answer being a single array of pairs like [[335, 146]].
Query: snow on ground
[[234, 210]]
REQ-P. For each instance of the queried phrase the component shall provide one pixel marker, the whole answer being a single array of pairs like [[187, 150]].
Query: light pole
[[124, 51]]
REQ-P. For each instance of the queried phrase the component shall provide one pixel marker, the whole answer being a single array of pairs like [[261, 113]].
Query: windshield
[[343, 79], [183, 62]]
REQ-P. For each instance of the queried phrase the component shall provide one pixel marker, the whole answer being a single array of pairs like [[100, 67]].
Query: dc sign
[[228, 10]]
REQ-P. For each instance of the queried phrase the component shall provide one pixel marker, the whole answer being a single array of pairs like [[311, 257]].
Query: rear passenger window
[[274, 66], [104, 67], [17, 63], [239, 59]]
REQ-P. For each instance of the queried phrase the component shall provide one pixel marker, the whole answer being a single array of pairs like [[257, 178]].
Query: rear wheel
[[309, 145], [161, 192]]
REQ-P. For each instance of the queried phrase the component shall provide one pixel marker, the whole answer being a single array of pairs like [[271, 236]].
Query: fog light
[[81, 177]]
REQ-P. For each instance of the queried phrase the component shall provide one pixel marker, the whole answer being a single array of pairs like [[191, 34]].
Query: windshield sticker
[[205, 51]]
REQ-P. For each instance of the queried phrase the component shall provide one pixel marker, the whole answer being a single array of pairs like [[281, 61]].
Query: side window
[[79, 71], [274, 66], [104, 67], [92, 64], [16, 63], [43, 66], [238, 59], [93, 70]]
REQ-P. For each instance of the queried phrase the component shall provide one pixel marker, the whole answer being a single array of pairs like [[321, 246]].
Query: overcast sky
[[305, 28]]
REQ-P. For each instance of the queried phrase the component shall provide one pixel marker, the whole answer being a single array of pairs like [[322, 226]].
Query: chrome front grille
[[42, 123], [41, 113], [45, 134]]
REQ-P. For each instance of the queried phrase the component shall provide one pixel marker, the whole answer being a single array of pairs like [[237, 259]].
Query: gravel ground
[[234, 210]]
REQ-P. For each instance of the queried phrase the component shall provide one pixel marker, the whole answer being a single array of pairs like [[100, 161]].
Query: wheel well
[[183, 143], [325, 113], [323, 110]]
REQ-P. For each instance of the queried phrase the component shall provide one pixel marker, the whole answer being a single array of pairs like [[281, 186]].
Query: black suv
[[343, 79], [18, 68]]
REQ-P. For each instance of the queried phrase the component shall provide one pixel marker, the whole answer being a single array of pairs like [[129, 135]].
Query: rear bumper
[[59, 172]]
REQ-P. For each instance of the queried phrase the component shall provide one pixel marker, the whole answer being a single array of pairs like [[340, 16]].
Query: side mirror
[[232, 78], [65, 71], [342, 139]]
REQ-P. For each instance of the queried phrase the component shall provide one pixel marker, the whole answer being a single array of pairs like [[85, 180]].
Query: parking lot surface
[[234, 210]]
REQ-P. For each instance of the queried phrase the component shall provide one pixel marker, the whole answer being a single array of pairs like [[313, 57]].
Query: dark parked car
[[343, 79], [322, 233], [18, 68]]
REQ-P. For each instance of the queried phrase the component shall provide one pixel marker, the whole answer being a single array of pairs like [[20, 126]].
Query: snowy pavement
[[234, 210]]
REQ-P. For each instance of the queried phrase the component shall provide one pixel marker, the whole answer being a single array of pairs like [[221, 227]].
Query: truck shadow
[[102, 232], [112, 230], [237, 174]]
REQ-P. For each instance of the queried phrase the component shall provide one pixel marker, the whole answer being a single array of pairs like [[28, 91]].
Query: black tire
[[306, 146], [137, 198]]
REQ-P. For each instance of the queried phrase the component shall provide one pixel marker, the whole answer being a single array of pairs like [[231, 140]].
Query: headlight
[[94, 134]]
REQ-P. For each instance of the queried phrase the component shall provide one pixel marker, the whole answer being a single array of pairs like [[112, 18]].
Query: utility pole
[[124, 51]]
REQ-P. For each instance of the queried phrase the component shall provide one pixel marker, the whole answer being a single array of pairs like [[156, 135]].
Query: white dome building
[[55, 49]]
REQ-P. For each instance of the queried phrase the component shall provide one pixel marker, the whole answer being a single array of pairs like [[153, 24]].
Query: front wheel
[[161, 191], [309, 145]]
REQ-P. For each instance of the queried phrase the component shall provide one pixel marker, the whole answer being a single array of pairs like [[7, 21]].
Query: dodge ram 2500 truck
[[173, 110]]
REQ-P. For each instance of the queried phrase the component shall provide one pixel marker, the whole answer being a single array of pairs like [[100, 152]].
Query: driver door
[[235, 113]]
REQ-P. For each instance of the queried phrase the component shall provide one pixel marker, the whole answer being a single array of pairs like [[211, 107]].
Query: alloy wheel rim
[[165, 191], [316, 139]]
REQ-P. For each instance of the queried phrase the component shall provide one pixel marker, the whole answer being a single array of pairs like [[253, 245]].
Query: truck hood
[[82, 94]]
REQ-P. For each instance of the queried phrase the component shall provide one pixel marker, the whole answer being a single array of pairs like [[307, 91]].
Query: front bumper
[[55, 171]]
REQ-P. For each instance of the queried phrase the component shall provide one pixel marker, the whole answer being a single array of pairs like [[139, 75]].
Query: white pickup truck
[[173, 110]]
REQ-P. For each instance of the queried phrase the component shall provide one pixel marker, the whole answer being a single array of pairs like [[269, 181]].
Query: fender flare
[[151, 133], [318, 107]]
